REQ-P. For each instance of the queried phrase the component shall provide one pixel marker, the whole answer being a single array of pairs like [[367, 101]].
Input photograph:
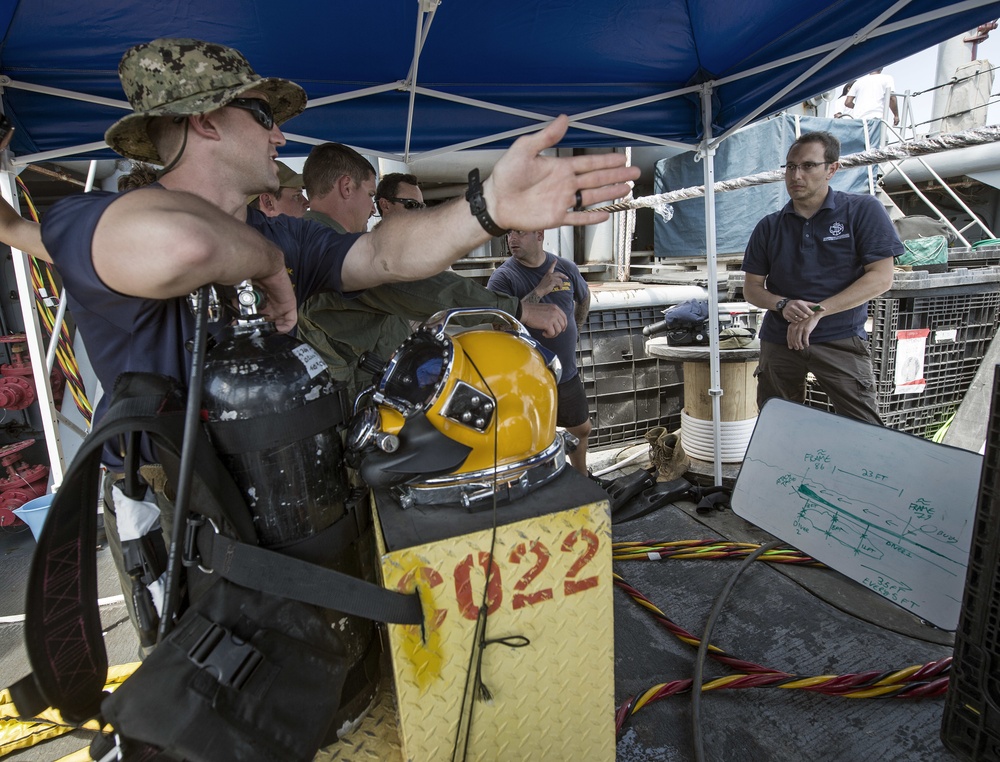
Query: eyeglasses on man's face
[[260, 109], [806, 166], [408, 203]]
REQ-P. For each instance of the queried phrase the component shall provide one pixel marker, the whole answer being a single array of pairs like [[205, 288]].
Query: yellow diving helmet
[[457, 419]]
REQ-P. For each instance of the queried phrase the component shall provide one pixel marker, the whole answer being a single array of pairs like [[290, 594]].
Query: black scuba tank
[[272, 409], [273, 412]]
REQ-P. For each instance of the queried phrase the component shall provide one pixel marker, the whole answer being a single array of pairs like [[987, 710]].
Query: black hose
[[192, 421], [699, 664], [655, 328]]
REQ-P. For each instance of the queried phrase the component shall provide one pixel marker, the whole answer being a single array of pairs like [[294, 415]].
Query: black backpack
[[252, 671]]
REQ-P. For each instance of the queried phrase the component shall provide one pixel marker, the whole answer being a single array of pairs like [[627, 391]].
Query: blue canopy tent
[[402, 79]]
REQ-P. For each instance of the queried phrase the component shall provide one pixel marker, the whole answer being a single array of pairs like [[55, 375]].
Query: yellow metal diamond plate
[[376, 738], [553, 698]]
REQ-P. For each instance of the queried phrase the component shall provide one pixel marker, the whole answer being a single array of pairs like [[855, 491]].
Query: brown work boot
[[666, 453]]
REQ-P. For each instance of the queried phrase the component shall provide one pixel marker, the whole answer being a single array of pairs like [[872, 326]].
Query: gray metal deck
[[801, 620]]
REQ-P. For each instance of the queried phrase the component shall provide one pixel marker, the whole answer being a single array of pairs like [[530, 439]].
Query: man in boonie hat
[[289, 199], [129, 260], [183, 77]]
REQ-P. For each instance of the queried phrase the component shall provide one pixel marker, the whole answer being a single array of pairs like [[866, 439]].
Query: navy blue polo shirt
[[815, 258]]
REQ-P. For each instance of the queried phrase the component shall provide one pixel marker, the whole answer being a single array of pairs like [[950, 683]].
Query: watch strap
[[477, 205]]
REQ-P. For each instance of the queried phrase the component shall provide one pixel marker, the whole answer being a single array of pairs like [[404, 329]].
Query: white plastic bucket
[[697, 438], [34, 512]]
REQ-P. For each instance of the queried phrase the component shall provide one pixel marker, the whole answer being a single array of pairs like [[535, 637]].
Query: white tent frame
[[705, 151]]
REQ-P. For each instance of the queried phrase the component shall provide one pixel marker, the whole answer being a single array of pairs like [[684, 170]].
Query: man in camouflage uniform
[[288, 199], [340, 183]]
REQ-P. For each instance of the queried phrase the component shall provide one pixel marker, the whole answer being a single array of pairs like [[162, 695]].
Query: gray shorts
[[573, 408]]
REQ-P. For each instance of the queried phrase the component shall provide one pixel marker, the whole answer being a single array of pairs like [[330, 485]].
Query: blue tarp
[[759, 148], [537, 57]]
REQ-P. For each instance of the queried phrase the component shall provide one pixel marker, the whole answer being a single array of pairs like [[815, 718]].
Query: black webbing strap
[[62, 622], [261, 569], [278, 429]]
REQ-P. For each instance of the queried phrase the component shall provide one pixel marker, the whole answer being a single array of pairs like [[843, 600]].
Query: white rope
[[626, 228], [660, 203]]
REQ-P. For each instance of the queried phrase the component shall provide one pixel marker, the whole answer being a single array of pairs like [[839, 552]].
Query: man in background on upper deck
[[535, 275], [866, 99]]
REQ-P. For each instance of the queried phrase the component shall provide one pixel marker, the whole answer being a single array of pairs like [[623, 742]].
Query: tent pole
[[36, 347], [707, 153]]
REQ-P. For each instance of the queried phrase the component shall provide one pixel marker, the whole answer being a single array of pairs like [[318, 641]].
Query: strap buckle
[[231, 661], [190, 555]]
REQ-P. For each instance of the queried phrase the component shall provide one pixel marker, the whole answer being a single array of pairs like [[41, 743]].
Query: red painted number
[[572, 585], [466, 595], [542, 555]]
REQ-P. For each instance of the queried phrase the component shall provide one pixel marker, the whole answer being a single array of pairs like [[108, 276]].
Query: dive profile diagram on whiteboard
[[888, 509]]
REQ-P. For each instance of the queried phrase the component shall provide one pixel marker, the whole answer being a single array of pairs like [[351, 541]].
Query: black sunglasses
[[408, 203], [260, 109]]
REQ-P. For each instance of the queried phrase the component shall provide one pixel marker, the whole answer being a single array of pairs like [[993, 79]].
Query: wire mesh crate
[[628, 392], [960, 318]]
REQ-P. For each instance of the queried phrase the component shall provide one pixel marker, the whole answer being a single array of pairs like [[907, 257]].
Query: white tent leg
[[707, 153], [36, 348]]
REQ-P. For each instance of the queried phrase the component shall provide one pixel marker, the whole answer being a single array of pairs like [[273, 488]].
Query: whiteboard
[[890, 510]]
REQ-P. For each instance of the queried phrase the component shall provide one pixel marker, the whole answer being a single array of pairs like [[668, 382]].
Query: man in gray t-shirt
[[534, 275]]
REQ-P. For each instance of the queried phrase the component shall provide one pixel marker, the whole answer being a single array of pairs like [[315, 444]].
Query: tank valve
[[251, 301], [214, 304]]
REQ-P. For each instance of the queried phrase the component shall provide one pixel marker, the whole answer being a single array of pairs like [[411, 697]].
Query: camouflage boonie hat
[[181, 77], [288, 177]]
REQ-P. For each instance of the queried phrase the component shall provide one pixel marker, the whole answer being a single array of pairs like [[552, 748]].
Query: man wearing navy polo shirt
[[814, 265]]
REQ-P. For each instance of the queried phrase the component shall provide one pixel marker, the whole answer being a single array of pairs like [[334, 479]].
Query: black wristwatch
[[781, 305], [477, 205]]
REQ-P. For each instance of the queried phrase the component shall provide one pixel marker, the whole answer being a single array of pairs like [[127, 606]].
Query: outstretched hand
[[528, 191]]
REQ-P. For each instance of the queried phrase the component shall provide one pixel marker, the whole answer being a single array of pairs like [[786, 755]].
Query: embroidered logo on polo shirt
[[837, 232]]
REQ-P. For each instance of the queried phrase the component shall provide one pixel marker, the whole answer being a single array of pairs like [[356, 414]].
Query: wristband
[[477, 205]]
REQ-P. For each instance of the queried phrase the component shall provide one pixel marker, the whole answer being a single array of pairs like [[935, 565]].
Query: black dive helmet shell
[[272, 409]]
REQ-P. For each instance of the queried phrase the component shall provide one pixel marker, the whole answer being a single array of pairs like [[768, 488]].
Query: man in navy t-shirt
[[534, 275], [814, 265]]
